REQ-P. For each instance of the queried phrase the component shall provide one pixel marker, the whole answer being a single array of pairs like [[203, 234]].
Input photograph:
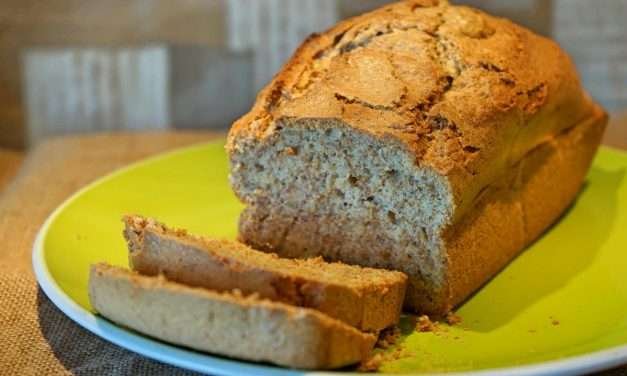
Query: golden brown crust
[[520, 209], [468, 94], [366, 298], [225, 323]]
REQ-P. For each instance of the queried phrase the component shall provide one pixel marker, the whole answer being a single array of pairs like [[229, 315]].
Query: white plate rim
[[205, 363]]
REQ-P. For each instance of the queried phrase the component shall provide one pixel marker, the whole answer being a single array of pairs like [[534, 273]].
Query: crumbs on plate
[[389, 337]]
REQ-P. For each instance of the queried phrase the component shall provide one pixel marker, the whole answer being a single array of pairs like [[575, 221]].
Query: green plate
[[559, 307]]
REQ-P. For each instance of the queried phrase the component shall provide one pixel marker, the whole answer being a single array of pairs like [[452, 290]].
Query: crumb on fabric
[[291, 151]]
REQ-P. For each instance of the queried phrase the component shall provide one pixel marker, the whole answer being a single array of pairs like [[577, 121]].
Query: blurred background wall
[[70, 66]]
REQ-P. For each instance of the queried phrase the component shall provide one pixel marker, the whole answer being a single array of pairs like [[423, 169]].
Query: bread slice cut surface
[[228, 324], [367, 298]]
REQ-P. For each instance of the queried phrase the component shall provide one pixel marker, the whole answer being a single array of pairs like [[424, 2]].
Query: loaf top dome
[[465, 93]]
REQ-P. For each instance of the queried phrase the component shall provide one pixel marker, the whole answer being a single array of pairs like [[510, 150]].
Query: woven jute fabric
[[35, 337], [38, 339]]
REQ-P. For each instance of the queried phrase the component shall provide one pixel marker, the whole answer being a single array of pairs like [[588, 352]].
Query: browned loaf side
[[225, 323], [366, 298], [422, 137]]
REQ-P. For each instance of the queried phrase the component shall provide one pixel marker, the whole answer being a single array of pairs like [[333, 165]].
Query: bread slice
[[369, 299], [420, 137], [225, 323]]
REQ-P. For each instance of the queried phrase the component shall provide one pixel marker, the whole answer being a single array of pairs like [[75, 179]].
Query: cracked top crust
[[466, 93]]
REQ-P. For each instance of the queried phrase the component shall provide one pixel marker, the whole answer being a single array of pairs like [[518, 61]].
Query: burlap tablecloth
[[35, 337]]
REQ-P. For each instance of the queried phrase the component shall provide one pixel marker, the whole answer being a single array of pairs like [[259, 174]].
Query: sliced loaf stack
[[226, 298]]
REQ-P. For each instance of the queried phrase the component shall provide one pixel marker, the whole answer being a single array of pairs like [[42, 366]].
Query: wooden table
[[36, 338], [10, 162]]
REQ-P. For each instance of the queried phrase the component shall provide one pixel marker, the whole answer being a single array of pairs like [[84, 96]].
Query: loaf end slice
[[225, 323], [346, 196], [369, 299]]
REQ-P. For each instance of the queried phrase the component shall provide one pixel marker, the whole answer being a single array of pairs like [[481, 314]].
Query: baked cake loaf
[[369, 299], [225, 323], [424, 137]]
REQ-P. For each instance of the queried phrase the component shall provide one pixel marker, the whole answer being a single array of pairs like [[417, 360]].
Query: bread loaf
[[424, 137], [225, 323], [366, 298]]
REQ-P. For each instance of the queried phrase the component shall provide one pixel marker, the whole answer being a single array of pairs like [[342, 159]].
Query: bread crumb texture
[[453, 319], [407, 138], [388, 337], [424, 324], [367, 298], [439, 77]]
